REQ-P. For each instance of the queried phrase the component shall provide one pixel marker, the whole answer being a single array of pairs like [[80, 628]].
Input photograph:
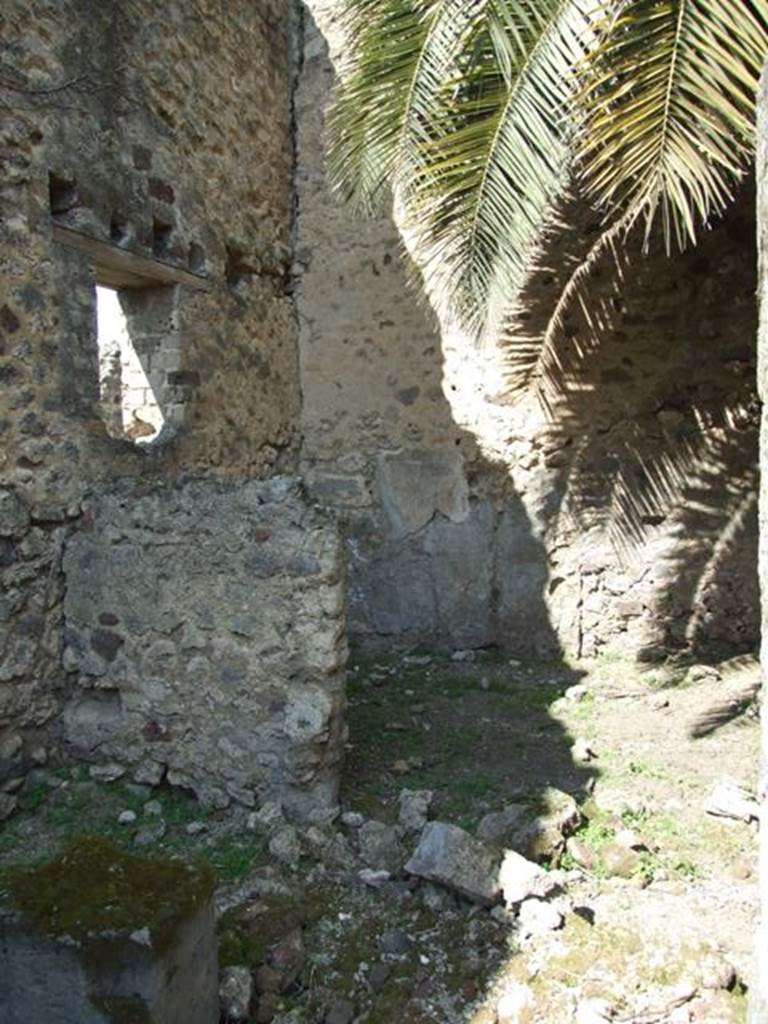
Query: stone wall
[[621, 517], [204, 626], [149, 149], [166, 131], [758, 993]]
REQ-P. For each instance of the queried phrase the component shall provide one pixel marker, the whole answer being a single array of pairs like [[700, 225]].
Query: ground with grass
[[666, 939]]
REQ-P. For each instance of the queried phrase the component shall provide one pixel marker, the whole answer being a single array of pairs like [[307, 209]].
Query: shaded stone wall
[[621, 518], [758, 990], [163, 132]]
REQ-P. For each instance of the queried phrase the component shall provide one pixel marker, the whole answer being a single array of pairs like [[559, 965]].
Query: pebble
[[323, 816], [194, 828], [126, 817], [581, 852], [352, 819], [285, 847], [630, 839], [594, 1011], [619, 861], [153, 808], [235, 993], [537, 917], [150, 774], [151, 834], [268, 818], [436, 898], [377, 979], [717, 973], [106, 772], [514, 1004], [414, 807], [520, 878], [341, 1012], [463, 656], [395, 942], [373, 878], [729, 800], [740, 870], [138, 790]]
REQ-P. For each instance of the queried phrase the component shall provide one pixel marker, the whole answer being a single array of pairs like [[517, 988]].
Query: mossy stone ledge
[[100, 935]]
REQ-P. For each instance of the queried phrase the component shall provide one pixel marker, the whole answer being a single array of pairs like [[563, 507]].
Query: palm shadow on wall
[[653, 422]]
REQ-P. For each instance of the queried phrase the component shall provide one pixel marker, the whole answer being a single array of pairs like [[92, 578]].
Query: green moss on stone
[[124, 1011], [93, 888]]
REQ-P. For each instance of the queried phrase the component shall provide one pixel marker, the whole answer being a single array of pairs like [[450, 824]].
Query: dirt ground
[[638, 749]]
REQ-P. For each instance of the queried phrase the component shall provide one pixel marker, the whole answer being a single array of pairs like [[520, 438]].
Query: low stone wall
[[32, 540], [205, 640]]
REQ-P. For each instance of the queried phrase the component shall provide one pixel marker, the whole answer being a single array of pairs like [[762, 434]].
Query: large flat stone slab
[[449, 855]]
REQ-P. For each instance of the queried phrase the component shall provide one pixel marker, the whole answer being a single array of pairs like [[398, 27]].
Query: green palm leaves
[[476, 114], [668, 108], [460, 106]]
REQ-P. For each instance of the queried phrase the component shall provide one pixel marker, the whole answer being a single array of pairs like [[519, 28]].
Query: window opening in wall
[[131, 376]]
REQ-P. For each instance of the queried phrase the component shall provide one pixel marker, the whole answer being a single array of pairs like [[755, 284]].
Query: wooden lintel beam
[[121, 268]]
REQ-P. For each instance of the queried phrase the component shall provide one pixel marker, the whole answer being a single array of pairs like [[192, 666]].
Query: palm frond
[[400, 54], [460, 108], [667, 124], [486, 183]]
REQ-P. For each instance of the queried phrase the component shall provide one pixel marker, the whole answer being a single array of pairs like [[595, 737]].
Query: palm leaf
[[459, 107], [485, 188], [399, 55], [668, 109]]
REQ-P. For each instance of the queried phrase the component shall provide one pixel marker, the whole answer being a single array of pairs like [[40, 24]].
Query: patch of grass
[[232, 857], [33, 797], [464, 796], [596, 834]]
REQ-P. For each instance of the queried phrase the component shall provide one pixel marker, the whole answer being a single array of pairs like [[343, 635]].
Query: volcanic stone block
[[103, 937]]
